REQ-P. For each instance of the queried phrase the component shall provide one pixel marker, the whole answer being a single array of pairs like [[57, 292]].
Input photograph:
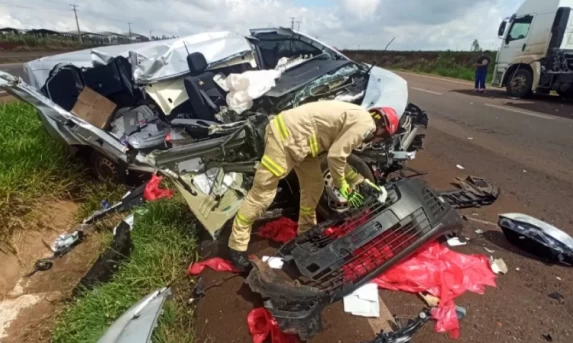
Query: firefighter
[[294, 140]]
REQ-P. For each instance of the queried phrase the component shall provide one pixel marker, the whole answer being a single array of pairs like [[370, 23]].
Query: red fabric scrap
[[262, 325], [217, 264], [282, 230], [152, 191], [443, 273]]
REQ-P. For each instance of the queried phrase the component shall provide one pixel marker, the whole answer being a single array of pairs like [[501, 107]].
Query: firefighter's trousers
[[275, 165]]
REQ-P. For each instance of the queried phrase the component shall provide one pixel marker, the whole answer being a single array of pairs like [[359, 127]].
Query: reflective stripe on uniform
[[309, 211], [272, 166], [242, 220], [280, 124], [351, 175], [313, 143]]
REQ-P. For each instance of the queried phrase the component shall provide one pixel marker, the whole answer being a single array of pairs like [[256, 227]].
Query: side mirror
[[501, 29]]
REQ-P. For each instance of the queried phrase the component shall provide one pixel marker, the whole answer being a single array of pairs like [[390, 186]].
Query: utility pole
[[150, 37], [75, 9], [292, 22], [129, 24], [298, 22]]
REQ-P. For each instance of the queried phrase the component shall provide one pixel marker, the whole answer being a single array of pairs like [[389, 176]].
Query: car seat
[[204, 95]]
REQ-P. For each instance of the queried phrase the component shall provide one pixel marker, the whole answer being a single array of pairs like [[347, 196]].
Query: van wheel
[[326, 207], [106, 169], [519, 84]]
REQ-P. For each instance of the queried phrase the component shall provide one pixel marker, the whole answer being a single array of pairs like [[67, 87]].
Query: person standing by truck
[[482, 66]]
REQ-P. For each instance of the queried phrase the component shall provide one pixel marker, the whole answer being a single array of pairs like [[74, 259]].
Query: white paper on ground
[[363, 302], [274, 262], [455, 242]]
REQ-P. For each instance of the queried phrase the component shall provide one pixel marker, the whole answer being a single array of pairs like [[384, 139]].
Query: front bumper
[[329, 263]]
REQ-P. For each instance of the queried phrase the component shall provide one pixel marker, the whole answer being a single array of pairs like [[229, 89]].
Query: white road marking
[[425, 90], [437, 78], [533, 114]]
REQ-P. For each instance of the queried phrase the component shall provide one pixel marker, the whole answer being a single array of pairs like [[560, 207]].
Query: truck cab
[[536, 53]]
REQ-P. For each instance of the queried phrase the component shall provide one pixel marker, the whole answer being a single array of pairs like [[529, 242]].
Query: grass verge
[[164, 244], [34, 167], [455, 64]]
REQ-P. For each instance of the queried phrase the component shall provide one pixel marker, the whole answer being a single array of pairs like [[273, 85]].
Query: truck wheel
[[326, 208], [106, 169], [519, 84]]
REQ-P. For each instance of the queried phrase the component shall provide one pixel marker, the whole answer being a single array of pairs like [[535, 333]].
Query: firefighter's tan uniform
[[294, 139]]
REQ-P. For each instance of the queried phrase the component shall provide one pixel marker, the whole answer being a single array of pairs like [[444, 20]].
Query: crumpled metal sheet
[[158, 60], [136, 325], [386, 89]]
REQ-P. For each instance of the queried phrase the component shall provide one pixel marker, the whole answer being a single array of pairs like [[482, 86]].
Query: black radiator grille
[[367, 259]]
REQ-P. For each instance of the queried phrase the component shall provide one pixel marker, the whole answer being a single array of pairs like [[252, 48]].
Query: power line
[[75, 9]]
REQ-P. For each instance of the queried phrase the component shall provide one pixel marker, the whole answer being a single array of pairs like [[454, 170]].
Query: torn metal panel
[[211, 209], [68, 126], [386, 89], [537, 237], [168, 94], [156, 60], [139, 321]]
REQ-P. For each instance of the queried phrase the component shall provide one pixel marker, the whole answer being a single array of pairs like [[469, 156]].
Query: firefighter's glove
[[354, 198], [368, 187]]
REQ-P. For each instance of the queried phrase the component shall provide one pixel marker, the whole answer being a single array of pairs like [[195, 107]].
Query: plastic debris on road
[[459, 166], [363, 302], [499, 267], [262, 325], [442, 273], [455, 242], [217, 264], [537, 237], [152, 191], [281, 230]]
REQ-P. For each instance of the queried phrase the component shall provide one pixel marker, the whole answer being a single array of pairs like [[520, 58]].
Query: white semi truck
[[536, 54]]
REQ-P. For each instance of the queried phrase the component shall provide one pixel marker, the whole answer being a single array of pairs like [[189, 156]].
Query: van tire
[[519, 83], [106, 169], [323, 209]]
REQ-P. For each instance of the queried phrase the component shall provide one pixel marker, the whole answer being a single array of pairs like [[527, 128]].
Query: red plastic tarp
[[217, 264], [443, 273], [152, 191], [262, 325], [281, 230]]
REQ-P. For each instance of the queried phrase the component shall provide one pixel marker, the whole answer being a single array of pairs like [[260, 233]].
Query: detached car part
[[136, 325], [537, 237], [334, 259], [403, 334], [474, 192]]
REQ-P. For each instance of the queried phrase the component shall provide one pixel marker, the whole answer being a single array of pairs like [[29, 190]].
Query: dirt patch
[[28, 304]]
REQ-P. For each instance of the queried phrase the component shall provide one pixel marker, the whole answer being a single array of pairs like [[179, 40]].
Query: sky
[[345, 24]]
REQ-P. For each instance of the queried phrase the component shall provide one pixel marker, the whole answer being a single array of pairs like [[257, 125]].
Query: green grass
[[164, 245], [34, 167], [31, 42], [455, 64]]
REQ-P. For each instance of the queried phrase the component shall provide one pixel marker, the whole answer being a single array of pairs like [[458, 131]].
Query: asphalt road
[[15, 69], [525, 145]]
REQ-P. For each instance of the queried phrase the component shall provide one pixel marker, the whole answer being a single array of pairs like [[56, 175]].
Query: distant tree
[[475, 46]]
